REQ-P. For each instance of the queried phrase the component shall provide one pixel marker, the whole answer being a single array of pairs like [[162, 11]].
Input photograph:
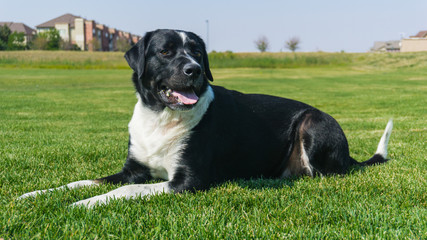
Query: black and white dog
[[193, 135]]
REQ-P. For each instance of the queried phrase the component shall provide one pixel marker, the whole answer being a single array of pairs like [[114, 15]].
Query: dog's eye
[[165, 52], [197, 53]]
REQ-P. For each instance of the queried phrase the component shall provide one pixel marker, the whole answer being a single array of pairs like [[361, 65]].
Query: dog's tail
[[380, 155]]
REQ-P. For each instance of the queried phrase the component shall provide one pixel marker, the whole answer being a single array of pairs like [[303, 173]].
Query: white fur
[[304, 168], [183, 36], [382, 146], [157, 138], [127, 192], [305, 161], [72, 185]]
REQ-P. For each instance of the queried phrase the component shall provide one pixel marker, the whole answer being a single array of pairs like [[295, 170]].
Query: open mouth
[[182, 97]]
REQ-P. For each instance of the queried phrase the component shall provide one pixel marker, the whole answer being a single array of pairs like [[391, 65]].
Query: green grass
[[59, 125]]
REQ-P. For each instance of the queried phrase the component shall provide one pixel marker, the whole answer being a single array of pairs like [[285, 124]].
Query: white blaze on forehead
[[184, 37]]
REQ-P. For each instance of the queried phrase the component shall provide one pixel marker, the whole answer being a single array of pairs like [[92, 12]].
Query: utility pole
[[207, 35]]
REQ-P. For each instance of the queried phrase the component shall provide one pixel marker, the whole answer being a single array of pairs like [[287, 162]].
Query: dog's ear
[[206, 65], [205, 59], [136, 56]]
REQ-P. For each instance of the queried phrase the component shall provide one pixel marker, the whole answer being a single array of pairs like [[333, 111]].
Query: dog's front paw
[[91, 202], [31, 194]]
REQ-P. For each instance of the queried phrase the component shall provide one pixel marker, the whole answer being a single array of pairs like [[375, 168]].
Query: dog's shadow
[[278, 183], [262, 183]]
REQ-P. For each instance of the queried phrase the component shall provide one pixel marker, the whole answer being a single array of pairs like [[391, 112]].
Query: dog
[[193, 135]]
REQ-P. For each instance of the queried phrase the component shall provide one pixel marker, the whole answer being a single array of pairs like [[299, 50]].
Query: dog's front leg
[[181, 182], [72, 185], [131, 173], [127, 192]]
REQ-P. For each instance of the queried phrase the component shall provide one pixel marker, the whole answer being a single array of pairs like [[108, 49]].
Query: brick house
[[86, 34]]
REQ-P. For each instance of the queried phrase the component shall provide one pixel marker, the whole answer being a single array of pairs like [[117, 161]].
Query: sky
[[234, 25]]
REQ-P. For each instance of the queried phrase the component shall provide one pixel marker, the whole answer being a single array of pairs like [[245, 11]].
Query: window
[[62, 33]]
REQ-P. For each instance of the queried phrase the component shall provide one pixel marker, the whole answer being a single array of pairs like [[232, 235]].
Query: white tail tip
[[382, 146]]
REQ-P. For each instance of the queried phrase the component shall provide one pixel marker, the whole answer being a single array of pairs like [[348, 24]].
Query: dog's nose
[[192, 70]]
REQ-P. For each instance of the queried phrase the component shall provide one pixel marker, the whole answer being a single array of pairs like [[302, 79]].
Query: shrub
[[67, 45], [39, 43], [16, 41], [4, 36], [122, 45], [49, 40]]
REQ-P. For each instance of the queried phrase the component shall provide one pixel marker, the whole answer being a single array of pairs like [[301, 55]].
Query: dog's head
[[171, 69]]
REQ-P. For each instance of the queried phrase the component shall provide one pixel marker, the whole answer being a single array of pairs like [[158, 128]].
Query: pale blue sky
[[326, 25]]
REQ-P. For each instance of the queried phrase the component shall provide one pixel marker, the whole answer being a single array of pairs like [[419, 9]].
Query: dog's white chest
[[156, 143], [157, 139]]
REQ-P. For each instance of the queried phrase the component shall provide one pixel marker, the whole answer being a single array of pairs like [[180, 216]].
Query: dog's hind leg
[[299, 161], [320, 146]]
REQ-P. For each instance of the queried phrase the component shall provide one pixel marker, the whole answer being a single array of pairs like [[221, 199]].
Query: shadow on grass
[[271, 183], [263, 183]]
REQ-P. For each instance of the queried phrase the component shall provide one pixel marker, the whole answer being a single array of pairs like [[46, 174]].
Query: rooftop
[[19, 27], [66, 18], [421, 34]]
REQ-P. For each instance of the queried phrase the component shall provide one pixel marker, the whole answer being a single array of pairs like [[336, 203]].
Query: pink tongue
[[186, 97]]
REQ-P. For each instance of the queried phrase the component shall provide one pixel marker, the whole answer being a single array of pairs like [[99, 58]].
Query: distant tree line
[[49, 40], [262, 44]]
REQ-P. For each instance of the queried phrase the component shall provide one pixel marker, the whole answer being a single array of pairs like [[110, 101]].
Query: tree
[[68, 46], [11, 40], [262, 43], [49, 40], [4, 36], [16, 41], [39, 42], [122, 45], [293, 44], [94, 45], [54, 39]]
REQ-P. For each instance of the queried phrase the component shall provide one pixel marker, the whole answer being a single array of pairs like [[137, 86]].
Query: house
[[417, 43], [21, 28], [87, 34], [386, 46]]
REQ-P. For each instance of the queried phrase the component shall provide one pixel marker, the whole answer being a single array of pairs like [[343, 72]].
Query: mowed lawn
[[61, 125]]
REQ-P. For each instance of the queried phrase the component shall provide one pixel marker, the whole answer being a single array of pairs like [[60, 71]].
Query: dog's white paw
[[91, 202], [72, 185], [31, 194]]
